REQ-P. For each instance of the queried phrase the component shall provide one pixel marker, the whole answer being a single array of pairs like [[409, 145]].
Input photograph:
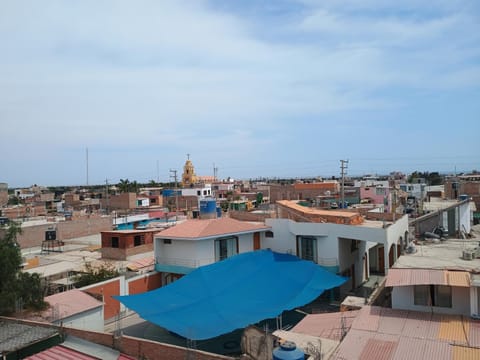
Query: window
[[269, 234], [167, 241], [380, 191], [199, 192], [114, 242], [225, 248], [433, 295], [138, 240], [307, 248], [153, 201]]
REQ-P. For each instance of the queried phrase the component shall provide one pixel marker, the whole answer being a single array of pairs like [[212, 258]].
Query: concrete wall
[[88, 320], [194, 253], [403, 299]]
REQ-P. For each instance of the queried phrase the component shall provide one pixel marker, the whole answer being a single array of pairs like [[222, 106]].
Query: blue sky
[[258, 88]]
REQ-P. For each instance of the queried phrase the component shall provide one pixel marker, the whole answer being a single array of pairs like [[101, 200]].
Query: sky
[[284, 88]]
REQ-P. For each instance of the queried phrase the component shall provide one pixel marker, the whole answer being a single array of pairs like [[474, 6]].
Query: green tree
[[93, 275], [15, 285], [124, 185]]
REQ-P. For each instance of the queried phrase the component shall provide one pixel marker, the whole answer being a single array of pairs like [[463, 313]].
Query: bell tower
[[188, 176]]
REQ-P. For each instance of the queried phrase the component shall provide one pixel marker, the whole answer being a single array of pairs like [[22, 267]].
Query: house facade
[[120, 244], [342, 241], [198, 242]]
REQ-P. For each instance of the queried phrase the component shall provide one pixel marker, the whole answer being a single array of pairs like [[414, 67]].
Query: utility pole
[[106, 195], [215, 172], [343, 168], [174, 176], [87, 163]]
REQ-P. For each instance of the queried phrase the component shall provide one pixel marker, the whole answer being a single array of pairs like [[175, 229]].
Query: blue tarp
[[233, 293]]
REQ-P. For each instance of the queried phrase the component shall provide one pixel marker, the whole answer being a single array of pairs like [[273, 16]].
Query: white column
[[474, 300], [386, 257]]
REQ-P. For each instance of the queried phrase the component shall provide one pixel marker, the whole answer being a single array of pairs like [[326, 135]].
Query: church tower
[[188, 177]]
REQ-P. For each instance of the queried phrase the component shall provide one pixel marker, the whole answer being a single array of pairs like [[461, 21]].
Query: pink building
[[378, 195]]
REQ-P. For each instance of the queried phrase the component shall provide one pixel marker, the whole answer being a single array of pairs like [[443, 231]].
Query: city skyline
[[260, 89]]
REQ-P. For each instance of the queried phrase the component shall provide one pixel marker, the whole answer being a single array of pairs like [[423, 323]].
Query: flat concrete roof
[[443, 255]]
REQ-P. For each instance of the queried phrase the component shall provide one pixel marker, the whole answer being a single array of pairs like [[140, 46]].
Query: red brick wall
[[146, 349], [146, 283], [107, 289]]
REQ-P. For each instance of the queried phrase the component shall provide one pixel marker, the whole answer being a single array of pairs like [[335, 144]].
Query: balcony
[[180, 266]]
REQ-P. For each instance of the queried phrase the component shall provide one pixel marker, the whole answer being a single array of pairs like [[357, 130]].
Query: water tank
[[208, 208], [219, 212], [288, 351]]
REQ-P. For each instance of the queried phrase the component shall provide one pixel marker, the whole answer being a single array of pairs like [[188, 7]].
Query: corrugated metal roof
[[437, 350], [408, 349], [378, 350], [411, 335], [474, 334], [465, 353], [353, 344], [368, 319], [406, 277], [392, 321], [328, 325], [60, 353], [453, 328]]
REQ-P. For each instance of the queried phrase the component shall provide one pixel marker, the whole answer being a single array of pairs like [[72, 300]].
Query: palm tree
[[124, 185]]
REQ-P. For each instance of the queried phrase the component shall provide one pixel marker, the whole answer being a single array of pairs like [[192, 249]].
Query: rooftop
[[383, 333], [198, 228], [14, 336], [70, 303], [445, 255]]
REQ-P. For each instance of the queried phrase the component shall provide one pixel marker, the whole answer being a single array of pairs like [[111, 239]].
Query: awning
[[407, 277], [233, 293]]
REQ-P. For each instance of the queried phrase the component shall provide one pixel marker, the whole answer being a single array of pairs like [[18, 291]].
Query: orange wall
[[112, 306], [146, 283]]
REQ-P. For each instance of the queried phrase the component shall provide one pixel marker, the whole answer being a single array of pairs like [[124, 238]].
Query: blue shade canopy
[[233, 293]]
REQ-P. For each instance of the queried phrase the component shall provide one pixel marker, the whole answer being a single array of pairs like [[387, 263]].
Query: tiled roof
[[14, 336], [406, 277], [70, 303], [198, 228]]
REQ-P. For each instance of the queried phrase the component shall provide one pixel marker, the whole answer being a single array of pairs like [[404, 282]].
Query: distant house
[[120, 244], [75, 308], [194, 243]]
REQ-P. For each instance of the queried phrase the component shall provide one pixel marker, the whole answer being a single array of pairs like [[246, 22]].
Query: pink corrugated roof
[[141, 263], [327, 326], [70, 303], [378, 350], [405, 277], [407, 335], [198, 228], [60, 352]]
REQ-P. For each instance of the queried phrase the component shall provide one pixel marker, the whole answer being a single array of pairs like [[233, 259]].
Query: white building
[[342, 241], [194, 243], [440, 277], [75, 308]]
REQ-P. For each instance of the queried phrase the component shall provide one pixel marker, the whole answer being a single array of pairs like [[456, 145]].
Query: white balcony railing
[[190, 263]]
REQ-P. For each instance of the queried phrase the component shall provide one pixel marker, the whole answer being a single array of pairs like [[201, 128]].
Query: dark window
[[153, 200], [199, 192], [307, 248], [432, 295], [138, 240], [114, 242], [269, 234], [225, 248], [167, 241]]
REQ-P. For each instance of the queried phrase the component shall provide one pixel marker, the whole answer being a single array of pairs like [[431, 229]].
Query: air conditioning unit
[[468, 255]]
